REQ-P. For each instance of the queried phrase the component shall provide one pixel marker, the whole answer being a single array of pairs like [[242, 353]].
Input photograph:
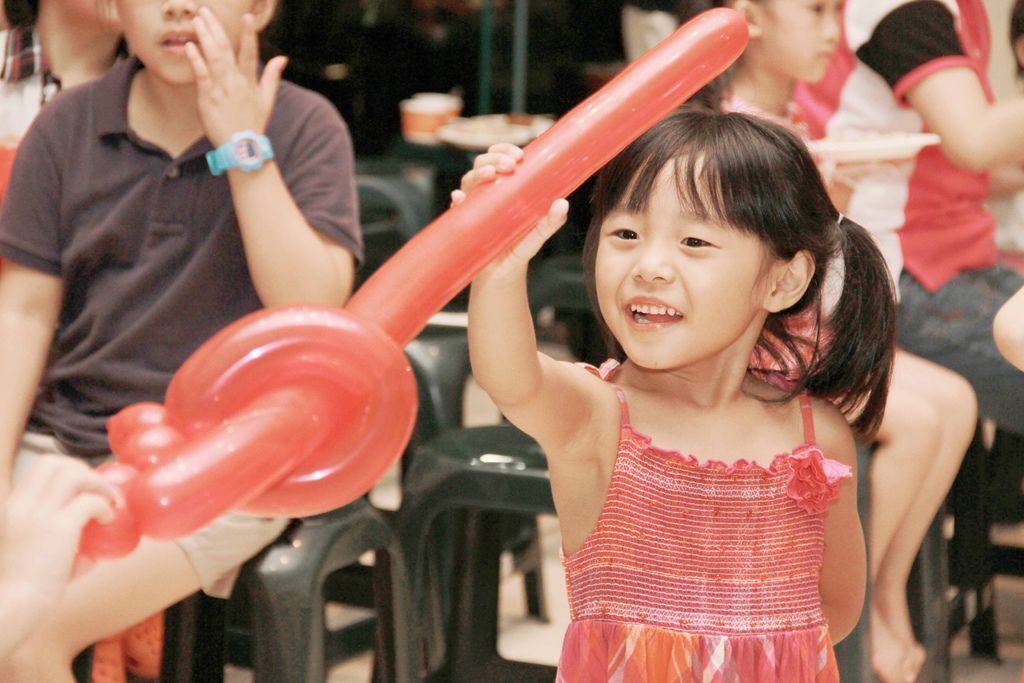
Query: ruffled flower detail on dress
[[814, 480]]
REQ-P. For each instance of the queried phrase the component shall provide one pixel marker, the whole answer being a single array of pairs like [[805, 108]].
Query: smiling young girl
[[707, 507]]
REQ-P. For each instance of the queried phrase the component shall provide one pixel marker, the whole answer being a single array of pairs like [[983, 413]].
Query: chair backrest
[[440, 361], [396, 196], [391, 210]]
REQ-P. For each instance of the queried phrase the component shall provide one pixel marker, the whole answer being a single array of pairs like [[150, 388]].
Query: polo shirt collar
[[110, 103], [110, 97]]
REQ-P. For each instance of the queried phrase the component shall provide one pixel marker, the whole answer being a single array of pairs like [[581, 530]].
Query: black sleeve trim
[[909, 37]]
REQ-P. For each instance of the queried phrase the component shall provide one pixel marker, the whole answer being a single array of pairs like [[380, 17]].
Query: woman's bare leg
[[929, 422]]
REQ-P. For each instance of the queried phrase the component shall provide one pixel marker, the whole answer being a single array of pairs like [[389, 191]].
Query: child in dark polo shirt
[[125, 247]]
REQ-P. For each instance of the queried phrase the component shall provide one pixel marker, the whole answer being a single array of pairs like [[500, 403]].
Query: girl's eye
[[695, 242], [625, 234]]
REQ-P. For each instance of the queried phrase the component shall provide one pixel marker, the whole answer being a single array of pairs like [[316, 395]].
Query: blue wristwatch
[[246, 151]]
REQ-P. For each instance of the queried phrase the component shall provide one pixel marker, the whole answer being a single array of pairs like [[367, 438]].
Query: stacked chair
[[987, 490], [478, 480], [482, 474]]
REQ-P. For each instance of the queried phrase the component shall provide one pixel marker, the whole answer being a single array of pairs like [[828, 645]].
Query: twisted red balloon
[[292, 412]]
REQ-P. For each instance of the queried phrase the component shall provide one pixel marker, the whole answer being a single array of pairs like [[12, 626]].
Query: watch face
[[247, 150]]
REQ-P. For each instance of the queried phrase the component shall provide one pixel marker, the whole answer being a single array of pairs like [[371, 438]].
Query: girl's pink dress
[[703, 572]]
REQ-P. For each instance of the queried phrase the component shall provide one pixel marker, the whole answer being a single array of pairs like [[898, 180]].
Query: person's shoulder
[[832, 432], [67, 106], [75, 107], [862, 17]]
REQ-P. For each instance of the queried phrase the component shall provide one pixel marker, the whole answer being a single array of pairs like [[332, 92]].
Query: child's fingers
[[86, 507], [477, 177], [199, 68], [216, 30], [528, 247], [500, 158], [505, 163], [67, 478], [216, 47], [248, 48], [41, 485], [507, 149], [270, 81], [458, 196]]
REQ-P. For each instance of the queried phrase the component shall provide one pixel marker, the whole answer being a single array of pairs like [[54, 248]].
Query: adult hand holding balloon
[[292, 412]]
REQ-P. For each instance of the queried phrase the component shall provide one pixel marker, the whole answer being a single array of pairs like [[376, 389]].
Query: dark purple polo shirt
[[148, 247]]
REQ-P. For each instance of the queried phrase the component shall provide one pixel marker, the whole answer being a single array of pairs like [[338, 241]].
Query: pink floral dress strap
[[808, 416], [605, 371], [814, 478]]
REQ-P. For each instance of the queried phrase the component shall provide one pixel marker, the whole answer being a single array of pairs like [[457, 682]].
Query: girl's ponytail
[[855, 365]]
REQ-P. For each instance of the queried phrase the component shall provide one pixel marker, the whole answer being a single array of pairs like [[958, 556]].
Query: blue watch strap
[[218, 160], [245, 151]]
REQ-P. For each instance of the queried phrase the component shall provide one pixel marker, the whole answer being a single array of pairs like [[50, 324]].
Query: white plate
[[477, 133], [880, 147]]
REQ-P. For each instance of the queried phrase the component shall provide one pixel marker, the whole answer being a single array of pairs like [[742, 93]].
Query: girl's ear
[[262, 12], [1018, 51], [789, 281], [751, 13]]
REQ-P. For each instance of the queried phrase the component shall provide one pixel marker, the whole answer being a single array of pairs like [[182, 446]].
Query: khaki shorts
[[216, 551]]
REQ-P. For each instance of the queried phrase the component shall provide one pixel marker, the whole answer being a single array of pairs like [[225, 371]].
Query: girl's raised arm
[[844, 571], [547, 399]]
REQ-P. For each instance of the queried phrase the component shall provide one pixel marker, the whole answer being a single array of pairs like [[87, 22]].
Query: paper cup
[[424, 113]]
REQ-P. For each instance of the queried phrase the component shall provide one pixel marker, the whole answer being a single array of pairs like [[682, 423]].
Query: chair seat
[[495, 467]]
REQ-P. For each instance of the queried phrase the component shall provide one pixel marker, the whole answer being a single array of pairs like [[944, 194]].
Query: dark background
[[383, 51]]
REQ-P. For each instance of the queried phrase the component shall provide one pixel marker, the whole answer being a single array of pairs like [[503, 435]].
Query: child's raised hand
[[502, 159], [499, 159], [42, 521], [231, 96]]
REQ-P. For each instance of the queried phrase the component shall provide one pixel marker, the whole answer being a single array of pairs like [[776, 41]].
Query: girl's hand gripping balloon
[[292, 412]]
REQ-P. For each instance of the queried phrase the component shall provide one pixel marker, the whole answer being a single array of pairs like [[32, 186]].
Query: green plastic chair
[[286, 589], [482, 473]]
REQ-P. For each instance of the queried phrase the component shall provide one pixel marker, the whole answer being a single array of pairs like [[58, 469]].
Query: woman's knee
[[956, 402], [911, 423]]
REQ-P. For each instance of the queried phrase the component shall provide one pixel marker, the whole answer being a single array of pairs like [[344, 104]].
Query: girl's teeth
[[646, 309]]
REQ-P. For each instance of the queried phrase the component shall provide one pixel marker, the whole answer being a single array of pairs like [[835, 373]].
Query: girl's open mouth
[[649, 314], [176, 42]]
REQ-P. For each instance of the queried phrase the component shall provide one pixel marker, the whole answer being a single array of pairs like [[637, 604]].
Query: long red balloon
[[401, 297], [296, 411]]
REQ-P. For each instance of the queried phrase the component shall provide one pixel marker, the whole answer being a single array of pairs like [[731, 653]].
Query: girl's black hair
[[21, 12], [1017, 30], [757, 177]]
